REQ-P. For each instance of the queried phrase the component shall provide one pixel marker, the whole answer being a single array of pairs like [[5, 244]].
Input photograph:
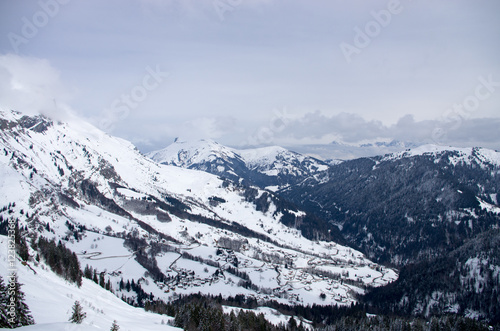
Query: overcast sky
[[259, 72]]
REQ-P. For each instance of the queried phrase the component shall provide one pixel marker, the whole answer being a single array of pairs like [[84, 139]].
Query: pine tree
[[102, 282], [3, 304], [115, 326], [108, 285], [78, 314], [87, 272], [94, 277], [127, 286], [292, 323], [21, 246], [18, 313], [75, 271]]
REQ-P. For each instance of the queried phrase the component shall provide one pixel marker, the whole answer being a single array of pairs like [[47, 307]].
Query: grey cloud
[[350, 127], [353, 129], [483, 132], [264, 55], [32, 86]]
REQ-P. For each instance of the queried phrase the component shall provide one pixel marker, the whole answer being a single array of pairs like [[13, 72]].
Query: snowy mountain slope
[[445, 194], [171, 230], [50, 299], [416, 209], [271, 167], [465, 281]]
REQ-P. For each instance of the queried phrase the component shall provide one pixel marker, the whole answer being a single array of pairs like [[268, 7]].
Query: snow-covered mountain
[[273, 167], [394, 196], [185, 154], [168, 229]]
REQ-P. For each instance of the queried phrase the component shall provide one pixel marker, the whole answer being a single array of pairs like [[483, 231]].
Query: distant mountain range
[[336, 151], [267, 167]]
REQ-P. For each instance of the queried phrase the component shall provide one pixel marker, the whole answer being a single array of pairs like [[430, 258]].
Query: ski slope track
[[116, 208]]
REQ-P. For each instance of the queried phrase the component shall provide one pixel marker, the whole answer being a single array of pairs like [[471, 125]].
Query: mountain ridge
[[271, 166]]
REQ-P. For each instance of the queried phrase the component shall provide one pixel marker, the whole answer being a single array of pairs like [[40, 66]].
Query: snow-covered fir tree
[[115, 326], [18, 312], [3, 304], [78, 315]]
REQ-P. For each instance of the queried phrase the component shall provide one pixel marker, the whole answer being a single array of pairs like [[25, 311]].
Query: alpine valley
[[205, 237]]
